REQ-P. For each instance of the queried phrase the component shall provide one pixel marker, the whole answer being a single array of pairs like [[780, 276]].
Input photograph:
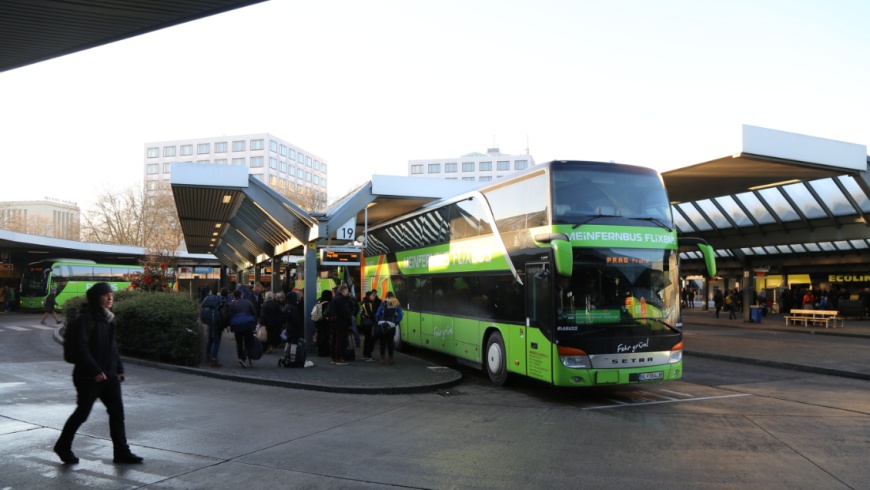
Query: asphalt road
[[725, 425]]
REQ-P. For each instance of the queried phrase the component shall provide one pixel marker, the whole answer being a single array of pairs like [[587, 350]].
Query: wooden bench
[[807, 318]]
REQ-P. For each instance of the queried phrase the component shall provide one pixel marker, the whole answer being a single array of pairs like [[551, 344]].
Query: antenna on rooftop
[[527, 143]]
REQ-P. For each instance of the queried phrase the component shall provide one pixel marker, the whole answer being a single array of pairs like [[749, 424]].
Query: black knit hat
[[96, 291]]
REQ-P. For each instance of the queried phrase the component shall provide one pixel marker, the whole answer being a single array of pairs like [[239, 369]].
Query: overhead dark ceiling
[[37, 30]]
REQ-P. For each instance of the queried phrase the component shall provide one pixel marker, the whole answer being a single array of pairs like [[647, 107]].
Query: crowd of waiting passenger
[[276, 321]]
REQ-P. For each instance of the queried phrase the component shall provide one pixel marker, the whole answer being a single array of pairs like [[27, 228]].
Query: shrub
[[157, 326]]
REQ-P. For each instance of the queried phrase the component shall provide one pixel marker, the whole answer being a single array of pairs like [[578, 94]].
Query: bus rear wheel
[[496, 359]]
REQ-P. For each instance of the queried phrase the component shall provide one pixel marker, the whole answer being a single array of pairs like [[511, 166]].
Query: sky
[[370, 85]]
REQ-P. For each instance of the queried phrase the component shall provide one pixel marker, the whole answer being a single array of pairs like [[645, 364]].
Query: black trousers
[[87, 392]]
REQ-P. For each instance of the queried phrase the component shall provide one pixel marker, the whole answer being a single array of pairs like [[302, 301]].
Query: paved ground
[[834, 351]]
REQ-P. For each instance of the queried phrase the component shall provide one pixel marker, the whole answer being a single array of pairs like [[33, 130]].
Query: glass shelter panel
[[755, 208], [730, 206], [804, 200], [834, 198]]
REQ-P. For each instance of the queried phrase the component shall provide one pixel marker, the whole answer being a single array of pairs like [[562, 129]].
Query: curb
[[356, 390], [781, 365]]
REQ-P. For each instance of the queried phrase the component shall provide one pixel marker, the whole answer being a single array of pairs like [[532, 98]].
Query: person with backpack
[[90, 344], [293, 333], [243, 322], [369, 308], [339, 314], [389, 315], [321, 323], [210, 315]]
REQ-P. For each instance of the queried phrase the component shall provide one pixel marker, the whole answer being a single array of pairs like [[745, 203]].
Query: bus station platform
[[841, 352]]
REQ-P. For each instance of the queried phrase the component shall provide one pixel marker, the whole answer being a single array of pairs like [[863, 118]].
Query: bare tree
[[134, 216], [307, 198]]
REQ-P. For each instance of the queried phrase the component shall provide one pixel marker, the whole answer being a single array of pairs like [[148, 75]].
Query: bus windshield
[[34, 281], [620, 289], [582, 193]]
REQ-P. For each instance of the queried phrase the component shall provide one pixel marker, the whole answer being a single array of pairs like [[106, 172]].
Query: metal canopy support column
[[310, 273], [276, 275], [746, 293]]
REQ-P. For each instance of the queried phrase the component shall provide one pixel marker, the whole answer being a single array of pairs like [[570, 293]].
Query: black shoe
[[66, 455], [128, 458]]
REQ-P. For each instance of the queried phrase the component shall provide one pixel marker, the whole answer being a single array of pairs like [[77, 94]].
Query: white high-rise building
[[479, 167], [276, 162]]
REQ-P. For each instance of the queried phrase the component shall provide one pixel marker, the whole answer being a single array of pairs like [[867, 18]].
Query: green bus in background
[[566, 272], [71, 278]]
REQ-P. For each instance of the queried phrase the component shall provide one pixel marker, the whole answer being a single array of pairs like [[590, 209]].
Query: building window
[[485, 179], [316, 180], [273, 181], [470, 179], [283, 168], [292, 171], [323, 167], [256, 144], [273, 146], [220, 147], [258, 177], [273, 163], [300, 158], [151, 185], [186, 150], [503, 166], [167, 167], [485, 167], [449, 167], [292, 154], [169, 151], [308, 176], [283, 151], [202, 148], [434, 168], [323, 182], [416, 169], [202, 161], [220, 161], [521, 164], [468, 166], [152, 169], [153, 152], [307, 161], [316, 165], [239, 145], [239, 161], [256, 162]]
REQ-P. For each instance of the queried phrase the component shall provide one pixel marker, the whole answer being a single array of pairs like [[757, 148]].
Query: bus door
[[539, 321]]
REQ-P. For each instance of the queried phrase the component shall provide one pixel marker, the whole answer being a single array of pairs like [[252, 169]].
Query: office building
[[285, 167], [479, 167]]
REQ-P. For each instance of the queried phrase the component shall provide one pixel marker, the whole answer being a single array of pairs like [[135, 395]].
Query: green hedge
[[157, 326]]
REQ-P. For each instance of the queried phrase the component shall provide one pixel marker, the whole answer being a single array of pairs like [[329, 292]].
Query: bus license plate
[[650, 376]]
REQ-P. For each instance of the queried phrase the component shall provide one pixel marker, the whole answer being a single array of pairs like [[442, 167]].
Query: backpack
[[209, 311], [317, 312], [390, 314], [225, 313], [70, 337]]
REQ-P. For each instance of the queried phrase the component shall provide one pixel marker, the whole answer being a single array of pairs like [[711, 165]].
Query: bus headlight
[[573, 358], [676, 353]]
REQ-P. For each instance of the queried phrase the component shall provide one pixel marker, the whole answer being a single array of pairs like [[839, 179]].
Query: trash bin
[[755, 314]]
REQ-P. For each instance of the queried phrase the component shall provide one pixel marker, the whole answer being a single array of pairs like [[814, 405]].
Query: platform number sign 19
[[347, 231]]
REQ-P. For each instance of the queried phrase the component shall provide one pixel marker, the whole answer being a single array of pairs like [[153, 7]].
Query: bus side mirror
[[562, 251], [706, 251]]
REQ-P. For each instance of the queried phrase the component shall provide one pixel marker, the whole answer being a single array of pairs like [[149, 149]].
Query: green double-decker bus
[[71, 278], [566, 272]]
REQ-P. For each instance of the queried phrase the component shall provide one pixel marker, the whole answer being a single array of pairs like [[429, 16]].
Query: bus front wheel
[[496, 359]]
